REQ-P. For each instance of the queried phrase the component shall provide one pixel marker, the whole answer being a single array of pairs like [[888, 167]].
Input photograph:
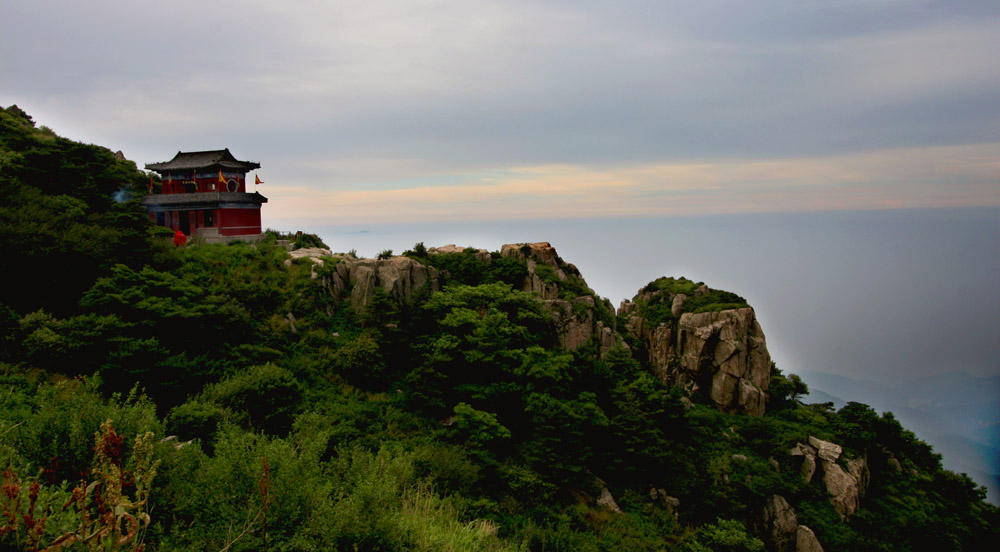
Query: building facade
[[204, 194]]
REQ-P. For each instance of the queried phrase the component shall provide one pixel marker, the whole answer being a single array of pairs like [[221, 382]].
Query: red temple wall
[[239, 222], [230, 222]]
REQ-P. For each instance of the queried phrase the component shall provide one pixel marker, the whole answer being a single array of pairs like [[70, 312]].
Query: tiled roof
[[216, 159], [203, 198]]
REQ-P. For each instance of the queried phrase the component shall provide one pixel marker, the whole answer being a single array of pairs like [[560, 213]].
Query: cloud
[[624, 99], [945, 176]]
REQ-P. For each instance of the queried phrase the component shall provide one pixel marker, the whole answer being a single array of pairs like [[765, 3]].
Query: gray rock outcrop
[[826, 450], [314, 254], [806, 541], [670, 504], [781, 530], [541, 253], [723, 353], [781, 523], [808, 455], [607, 500], [576, 326], [400, 277], [845, 486], [575, 320]]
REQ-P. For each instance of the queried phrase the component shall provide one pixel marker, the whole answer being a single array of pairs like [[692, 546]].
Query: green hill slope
[[240, 397]]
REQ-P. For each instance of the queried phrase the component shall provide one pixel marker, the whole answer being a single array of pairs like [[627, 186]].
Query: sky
[[729, 141], [463, 110]]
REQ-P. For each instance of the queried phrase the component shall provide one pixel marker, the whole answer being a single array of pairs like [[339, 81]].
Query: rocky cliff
[[575, 308], [706, 341], [718, 349]]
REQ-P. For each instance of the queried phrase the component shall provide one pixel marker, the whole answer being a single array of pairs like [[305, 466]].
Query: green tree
[[725, 535]]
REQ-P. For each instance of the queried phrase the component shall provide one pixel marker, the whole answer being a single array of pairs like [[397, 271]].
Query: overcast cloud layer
[[491, 109]]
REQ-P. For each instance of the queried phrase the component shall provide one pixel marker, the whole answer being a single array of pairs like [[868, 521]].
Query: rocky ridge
[[399, 277], [576, 319], [721, 353]]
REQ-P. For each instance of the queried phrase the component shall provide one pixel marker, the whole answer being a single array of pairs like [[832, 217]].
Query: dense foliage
[[220, 397]]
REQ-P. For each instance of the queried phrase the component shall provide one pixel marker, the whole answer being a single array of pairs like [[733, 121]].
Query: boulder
[[670, 504], [781, 530], [314, 254], [858, 468], [608, 501], [826, 450], [808, 454], [780, 524], [677, 305], [894, 464], [843, 489], [604, 497], [806, 541], [542, 252]]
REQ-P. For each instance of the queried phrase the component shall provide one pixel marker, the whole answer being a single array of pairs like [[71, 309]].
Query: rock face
[[845, 486], [806, 541], [606, 499], [724, 353], [782, 524], [575, 320], [576, 326], [808, 455], [314, 254], [781, 529], [400, 277], [541, 253]]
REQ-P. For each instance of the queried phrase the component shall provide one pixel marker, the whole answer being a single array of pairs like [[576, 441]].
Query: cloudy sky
[[465, 110]]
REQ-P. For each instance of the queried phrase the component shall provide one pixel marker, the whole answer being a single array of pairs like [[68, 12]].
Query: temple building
[[204, 194]]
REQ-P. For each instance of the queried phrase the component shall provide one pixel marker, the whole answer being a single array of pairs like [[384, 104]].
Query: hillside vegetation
[[230, 397]]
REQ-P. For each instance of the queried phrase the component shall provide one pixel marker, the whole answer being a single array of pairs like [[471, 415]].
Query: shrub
[[264, 396], [360, 361], [725, 535], [196, 419]]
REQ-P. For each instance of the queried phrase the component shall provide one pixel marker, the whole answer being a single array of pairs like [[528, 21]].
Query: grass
[[657, 309]]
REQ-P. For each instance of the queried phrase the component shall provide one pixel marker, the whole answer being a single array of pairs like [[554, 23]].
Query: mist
[[882, 295]]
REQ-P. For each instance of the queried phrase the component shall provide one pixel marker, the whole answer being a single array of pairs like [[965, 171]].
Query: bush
[[196, 419], [265, 397], [360, 362], [725, 535]]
